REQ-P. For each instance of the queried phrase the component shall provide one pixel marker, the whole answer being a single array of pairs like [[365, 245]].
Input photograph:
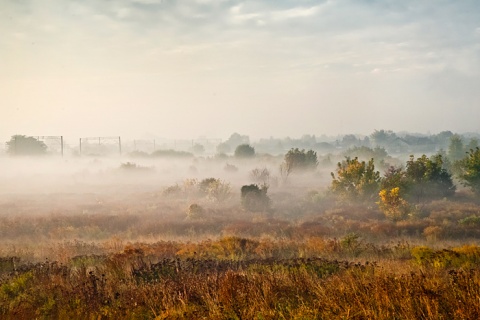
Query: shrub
[[133, 167], [254, 198], [215, 189], [195, 211], [230, 168], [172, 191], [393, 205]]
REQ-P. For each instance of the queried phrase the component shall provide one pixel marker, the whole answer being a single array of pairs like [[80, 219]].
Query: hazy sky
[[263, 68]]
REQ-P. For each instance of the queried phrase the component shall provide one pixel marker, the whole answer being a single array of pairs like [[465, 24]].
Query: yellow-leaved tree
[[393, 205]]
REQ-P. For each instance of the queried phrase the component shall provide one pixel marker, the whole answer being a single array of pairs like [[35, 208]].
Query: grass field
[[141, 251]]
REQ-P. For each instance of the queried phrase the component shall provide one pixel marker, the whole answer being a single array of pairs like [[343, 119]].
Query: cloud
[[261, 53], [298, 12]]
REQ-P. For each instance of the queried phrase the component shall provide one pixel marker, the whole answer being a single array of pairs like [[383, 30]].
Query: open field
[[95, 238]]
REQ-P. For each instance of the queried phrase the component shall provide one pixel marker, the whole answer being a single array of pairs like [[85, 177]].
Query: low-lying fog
[[50, 174]]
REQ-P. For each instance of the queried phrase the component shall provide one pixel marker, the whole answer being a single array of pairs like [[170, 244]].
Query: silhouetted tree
[[244, 151], [254, 198], [298, 160], [382, 138], [23, 145]]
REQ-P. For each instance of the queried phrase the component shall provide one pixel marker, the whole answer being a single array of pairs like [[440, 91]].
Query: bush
[[393, 205], [133, 167], [254, 198], [195, 211], [215, 189]]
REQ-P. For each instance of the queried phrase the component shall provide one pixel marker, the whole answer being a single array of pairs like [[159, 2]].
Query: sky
[[191, 68]]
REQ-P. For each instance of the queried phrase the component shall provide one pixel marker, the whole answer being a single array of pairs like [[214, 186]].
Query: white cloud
[[292, 13]]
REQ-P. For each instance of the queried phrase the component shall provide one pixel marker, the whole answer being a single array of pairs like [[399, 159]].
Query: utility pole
[[119, 145], [80, 146], [61, 143]]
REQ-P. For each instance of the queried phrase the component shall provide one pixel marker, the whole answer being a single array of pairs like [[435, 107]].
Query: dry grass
[[162, 281], [139, 256]]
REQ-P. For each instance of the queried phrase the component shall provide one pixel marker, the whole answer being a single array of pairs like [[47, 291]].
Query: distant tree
[[456, 149], [382, 138], [237, 139], [363, 152], [308, 140], [298, 160], [350, 140], [230, 168], [254, 198], [171, 154], [428, 179], [261, 176], [198, 149], [223, 148], [244, 151], [215, 190], [356, 180], [472, 145], [470, 170], [23, 145], [443, 138], [232, 142], [324, 146]]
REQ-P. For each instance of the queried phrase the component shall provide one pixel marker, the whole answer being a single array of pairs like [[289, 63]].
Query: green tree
[[356, 180], [395, 177], [23, 145], [244, 151], [254, 198], [456, 149], [470, 170], [428, 179]]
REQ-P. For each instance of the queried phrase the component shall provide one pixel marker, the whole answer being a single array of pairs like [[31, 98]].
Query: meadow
[[109, 239]]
